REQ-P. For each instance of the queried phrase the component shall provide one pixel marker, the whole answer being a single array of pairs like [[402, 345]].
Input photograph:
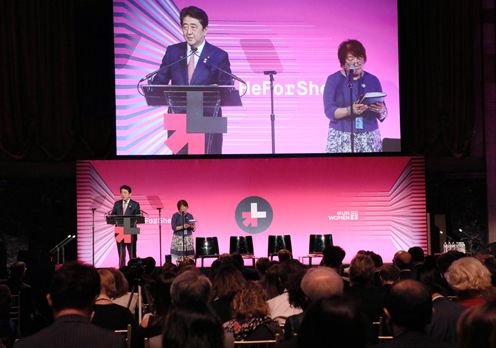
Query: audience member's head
[[17, 271], [190, 328], [296, 295], [190, 289], [389, 274], [226, 259], [321, 282], [417, 255], [477, 327], [432, 279], [149, 264], [409, 305], [468, 277], [237, 260], [74, 286], [160, 289], [271, 282], [284, 255], [362, 271], [262, 265], [250, 302], [107, 283], [121, 284], [287, 269], [187, 264], [169, 267], [227, 281], [332, 322], [402, 259], [376, 258], [333, 257]]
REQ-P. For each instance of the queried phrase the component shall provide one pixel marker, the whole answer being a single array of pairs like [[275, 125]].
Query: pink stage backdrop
[[373, 203], [298, 39]]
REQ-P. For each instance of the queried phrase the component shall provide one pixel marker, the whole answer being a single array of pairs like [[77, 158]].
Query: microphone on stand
[[181, 58], [231, 75], [350, 72]]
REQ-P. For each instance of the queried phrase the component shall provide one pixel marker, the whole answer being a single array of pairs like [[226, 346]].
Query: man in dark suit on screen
[[72, 294], [126, 206], [199, 63]]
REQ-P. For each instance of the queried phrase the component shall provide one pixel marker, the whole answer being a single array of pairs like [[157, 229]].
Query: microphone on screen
[[181, 58], [350, 73], [207, 61]]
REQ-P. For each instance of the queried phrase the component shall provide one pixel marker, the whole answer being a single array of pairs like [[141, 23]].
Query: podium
[[200, 104], [125, 225]]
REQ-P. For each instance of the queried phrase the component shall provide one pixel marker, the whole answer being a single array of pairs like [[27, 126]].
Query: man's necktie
[[191, 67]]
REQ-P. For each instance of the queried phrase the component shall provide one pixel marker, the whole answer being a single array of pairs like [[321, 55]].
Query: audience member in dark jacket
[[72, 295], [408, 306]]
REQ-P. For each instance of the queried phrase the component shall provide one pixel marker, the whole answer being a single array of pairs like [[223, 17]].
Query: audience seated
[[271, 282], [106, 313], [197, 328], [418, 256], [279, 306], [227, 282], [169, 267], [297, 299], [186, 310], [152, 323], [331, 322], [369, 298], [333, 257], [239, 263], [191, 322], [445, 313], [316, 283], [251, 316], [284, 255], [122, 294], [72, 295], [403, 260], [17, 286], [320, 283], [470, 279], [477, 327], [389, 274], [262, 265], [408, 306]]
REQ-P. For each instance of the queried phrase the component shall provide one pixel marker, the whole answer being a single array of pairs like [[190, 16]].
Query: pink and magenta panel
[[365, 203], [298, 39]]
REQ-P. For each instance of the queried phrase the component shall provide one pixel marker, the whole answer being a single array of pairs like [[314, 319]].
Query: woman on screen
[[182, 226], [353, 119]]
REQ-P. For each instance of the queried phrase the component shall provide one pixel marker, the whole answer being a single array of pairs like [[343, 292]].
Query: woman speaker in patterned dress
[[182, 227], [350, 116]]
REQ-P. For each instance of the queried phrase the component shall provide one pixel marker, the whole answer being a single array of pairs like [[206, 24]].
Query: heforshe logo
[[254, 214]]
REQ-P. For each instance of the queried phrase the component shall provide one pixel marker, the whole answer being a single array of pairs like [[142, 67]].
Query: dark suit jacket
[[133, 208], [72, 331], [444, 319], [205, 73]]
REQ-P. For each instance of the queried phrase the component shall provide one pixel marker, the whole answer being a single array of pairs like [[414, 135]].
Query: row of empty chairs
[[208, 247]]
